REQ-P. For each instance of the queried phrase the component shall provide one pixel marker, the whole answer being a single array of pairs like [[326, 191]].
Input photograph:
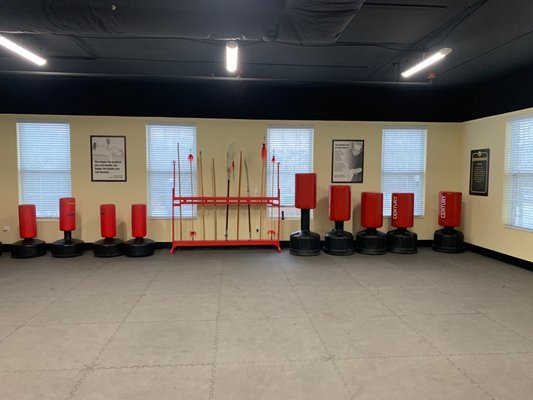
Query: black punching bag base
[[448, 240], [402, 241], [371, 242], [305, 243], [338, 243], [108, 247], [63, 248], [28, 248], [139, 247]]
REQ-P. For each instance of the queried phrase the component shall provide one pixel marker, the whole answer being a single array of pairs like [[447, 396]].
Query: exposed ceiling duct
[[321, 20], [258, 20]]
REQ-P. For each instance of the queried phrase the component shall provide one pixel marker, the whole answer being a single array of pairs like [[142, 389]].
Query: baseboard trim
[[284, 244], [519, 262]]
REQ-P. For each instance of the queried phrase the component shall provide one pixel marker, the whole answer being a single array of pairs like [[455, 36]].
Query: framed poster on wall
[[347, 161], [479, 172], [108, 158]]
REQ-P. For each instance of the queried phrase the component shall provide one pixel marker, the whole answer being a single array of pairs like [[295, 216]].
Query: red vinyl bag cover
[[108, 222], [371, 210], [27, 221], [402, 214], [450, 208], [305, 195], [67, 214], [339, 203], [138, 220]]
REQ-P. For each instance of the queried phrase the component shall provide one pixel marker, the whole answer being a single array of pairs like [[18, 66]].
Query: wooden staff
[[263, 168], [239, 194], [200, 167], [179, 194], [248, 194], [230, 164], [272, 231], [214, 193]]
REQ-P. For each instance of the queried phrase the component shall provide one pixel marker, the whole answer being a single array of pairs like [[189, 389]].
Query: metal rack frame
[[215, 201]]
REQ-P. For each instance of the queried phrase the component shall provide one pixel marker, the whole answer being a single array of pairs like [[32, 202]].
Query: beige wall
[[484, 225], [444, 169]]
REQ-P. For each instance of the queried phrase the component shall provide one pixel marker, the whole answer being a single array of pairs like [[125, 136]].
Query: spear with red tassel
[[192, 233], [272, 231]]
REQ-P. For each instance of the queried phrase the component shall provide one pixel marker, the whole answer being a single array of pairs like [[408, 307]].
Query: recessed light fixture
[[21, 51], [232, 55], [439, 55]]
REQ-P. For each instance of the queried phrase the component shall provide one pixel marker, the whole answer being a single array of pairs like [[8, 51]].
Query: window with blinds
[[403, 166], [44, 165], [518, 208], [293, 149], [162, 149]]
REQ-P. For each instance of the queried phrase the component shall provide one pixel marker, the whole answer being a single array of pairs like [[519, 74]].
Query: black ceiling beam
[[223, 99]]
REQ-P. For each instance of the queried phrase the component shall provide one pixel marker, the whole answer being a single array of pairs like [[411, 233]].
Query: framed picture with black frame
[[347, 161], [108, 158], [479, 172]]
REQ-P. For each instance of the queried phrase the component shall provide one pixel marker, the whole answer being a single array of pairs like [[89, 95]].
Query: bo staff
[[179, 194], [272, 231], [200, 167], [229, 170], [263, 167], [239, 195], [248, 194], [193, 232], [214, 193]]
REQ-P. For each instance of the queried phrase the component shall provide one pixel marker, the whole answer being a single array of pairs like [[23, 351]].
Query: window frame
[[386, 212], [289, 211], [184, 172], [20, 170], [508, 175]]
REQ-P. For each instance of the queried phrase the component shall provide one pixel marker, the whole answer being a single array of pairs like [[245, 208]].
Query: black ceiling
[[308, 59]]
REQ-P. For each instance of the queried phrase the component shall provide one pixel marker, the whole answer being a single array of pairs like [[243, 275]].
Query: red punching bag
[[108, 223], [138, 220], [450, 209], [67, 214], [27, 221], [339, 203], [402, 210], [371, 210], [305, 195]]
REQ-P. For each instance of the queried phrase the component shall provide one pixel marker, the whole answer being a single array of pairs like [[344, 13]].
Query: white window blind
[[518, 209], [293, 149], [403, 166], [44, 165], [162, 150]]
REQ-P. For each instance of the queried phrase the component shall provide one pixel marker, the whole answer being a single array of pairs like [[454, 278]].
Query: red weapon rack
[[261, 204]]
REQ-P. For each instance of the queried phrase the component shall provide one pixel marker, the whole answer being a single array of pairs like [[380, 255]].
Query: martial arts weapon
[[193, 232], [214, 193], [179, 194], [248, 194], [272, 232], [263, 167], [239, 194], [200, 167], [229, 169]]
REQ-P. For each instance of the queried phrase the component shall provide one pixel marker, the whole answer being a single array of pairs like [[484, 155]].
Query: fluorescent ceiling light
[[232, 55], [439, 55], [21, 51]]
